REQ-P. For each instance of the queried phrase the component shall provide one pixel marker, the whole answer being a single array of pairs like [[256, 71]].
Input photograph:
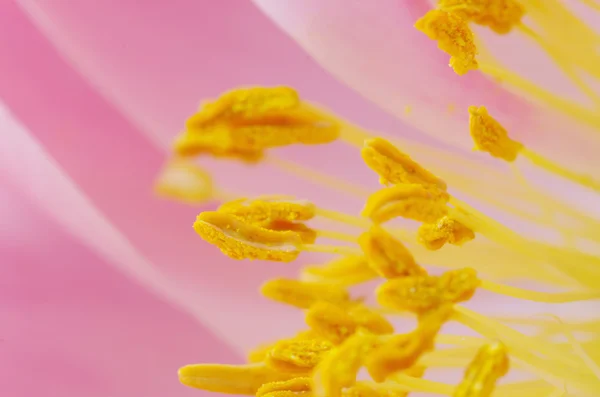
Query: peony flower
[[95, 98]]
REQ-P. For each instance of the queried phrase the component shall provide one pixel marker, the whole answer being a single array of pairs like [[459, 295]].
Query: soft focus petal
[[374, 48], [73, 325]]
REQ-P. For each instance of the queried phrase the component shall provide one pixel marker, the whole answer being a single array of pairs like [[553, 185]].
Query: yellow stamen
[[296, 386], [303, 294], [253, 119], [408, 201], [330, 321], [490, 364], [240, 240], [420, 294], [307, 235], [490, 136], [395, 167], [388, 256], [184, 181], [268, 209], [401, 352], [339, 369], [499, 15], [444, 230], [297, 355], [231, 379], [454, 37]]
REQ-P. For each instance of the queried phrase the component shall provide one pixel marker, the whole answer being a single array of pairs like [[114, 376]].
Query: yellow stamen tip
[[231, 379], [395, 167], [288, 388], [401, 352], [184, 181], [499, 15], [445, 230], [419, 294], [490, 364], [330, 321], [303, 294], [297, 355], [244, 122], [454, 37], [489, 135], [240, 240], [407, 201], [268, 209], [386, 255]]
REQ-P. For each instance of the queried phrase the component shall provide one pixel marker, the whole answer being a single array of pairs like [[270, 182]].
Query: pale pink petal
[[72, 325], [374, 48]]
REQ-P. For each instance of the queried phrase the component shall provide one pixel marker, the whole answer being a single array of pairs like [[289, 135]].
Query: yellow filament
[[557, 169], [537, 296], [556, 365]]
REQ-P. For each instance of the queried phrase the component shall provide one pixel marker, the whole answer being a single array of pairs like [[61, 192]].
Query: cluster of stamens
[[344, 333]]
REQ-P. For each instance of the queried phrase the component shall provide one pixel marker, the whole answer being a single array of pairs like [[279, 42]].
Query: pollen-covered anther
[[499, 15], [303, 294], [408, 201], [368, 319], [386, 255], [296, 387], [258, 118], [401, 352], [490, 364], [419, 294], [231, 379], [330, 321], [445, 230], [184, 181], [489, 135], [240, 240], [297, 354], [307, 235], [395, 167], [339, 368], [454, 37], [269, 209]]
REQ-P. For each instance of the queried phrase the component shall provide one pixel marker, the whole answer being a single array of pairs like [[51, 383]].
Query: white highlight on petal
[[24, 161]]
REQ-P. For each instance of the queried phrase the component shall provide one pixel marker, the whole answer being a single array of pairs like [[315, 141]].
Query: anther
[[454, 37], [251, 120], [401, 352], [184, 181], [395, 167], [297, 355], [240, 240], [386, 255], [303, 294], [499, 15], [489, 135], [407, 201], [289, 388], [445, 230], [231, 379], [268, 209], [339, 368], [490, 364], [418, 294]]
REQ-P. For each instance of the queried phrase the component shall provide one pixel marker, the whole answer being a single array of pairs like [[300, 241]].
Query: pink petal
[[73, 325], [374, 48]]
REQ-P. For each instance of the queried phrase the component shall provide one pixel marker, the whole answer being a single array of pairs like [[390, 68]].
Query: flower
[[100, 192]]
